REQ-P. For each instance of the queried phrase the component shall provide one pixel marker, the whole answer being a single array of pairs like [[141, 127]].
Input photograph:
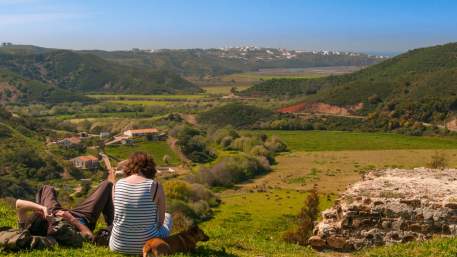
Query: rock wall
[[390, 206]]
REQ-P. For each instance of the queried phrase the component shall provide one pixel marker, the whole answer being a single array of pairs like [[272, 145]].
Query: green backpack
[[14, 239], [64, 233]]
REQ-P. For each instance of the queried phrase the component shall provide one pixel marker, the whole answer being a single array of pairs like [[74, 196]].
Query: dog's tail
[[156, 247]]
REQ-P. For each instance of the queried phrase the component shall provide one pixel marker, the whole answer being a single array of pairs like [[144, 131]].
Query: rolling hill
[[213, 62], [420, 84], [83, 72], [24, 161], [16, 89]]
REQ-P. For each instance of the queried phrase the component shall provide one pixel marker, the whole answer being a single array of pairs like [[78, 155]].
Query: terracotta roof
[[87, 158], [147, 130]]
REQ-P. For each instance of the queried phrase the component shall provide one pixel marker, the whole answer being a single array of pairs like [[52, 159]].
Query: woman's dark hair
[[140, 163]]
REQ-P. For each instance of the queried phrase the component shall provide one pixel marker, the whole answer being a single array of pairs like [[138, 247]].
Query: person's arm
[[23, 206], [161, 203], [83, 229], [111, 172]]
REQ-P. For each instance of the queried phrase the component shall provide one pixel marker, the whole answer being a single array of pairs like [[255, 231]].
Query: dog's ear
[[198, 233], [193, 228]]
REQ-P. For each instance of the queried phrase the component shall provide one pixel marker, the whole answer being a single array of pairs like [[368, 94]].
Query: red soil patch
[[321, 108]]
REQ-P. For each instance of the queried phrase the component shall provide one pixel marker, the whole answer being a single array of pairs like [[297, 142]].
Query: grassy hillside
[[82, 72], [23, 159], [419, 84], [17, 89], [262, 224]]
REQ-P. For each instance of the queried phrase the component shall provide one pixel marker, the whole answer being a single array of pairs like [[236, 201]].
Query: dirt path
[[175, 148], [190, 118]]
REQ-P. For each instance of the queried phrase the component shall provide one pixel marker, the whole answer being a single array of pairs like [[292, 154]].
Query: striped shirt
[[135, 216]]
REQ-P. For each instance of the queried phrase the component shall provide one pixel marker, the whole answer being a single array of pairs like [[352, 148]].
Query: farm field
[[143, 102], [149, 97], [156, 148], [333, 171], [222, 90], [338, 141], [223, 84]]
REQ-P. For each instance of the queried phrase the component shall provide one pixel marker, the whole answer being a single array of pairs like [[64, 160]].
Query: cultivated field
[[156, 148], [223, 84], [338, 141]]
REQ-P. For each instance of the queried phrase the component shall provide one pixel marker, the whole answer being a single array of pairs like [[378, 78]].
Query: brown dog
[[183, 242]]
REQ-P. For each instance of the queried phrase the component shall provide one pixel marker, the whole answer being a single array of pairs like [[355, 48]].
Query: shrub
[[245, 143], [220, 134], [233, 170], [166, 159], [193, 144], [276, 145], [181, 222], [305, 221], [177, 189], [226, 142], [175, 206], [202, 209], [200, 192], [262, 151], [439, 161]]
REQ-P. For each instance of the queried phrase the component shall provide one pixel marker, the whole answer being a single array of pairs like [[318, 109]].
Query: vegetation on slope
[[235, 114], [15, 88], [82, 72], [23, 159], [416, 86]]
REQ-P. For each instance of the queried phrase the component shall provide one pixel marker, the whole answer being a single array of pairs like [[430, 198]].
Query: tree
[[166, 159]]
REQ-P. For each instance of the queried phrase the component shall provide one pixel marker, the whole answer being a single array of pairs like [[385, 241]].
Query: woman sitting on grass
[[139, 207]]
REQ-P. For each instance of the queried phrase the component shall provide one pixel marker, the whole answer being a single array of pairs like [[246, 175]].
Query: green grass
[[440, 247], [251, 224], [156, 148], [222, 90], [143, 102], [7, 214], [267, 76], [338, 141]]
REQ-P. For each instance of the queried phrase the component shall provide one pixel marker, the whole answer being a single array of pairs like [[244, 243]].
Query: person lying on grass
[[83, 218], [139, 207]]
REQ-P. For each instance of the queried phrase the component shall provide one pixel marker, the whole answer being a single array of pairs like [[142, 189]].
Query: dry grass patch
[[334, 171]]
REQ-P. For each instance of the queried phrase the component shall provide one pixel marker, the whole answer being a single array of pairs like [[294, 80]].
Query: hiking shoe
[[42, 242]]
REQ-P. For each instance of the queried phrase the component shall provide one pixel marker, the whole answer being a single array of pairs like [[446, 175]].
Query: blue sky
[[355, 25]]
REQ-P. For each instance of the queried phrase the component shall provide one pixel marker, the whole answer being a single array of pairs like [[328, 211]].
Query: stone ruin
[[390, 206]]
